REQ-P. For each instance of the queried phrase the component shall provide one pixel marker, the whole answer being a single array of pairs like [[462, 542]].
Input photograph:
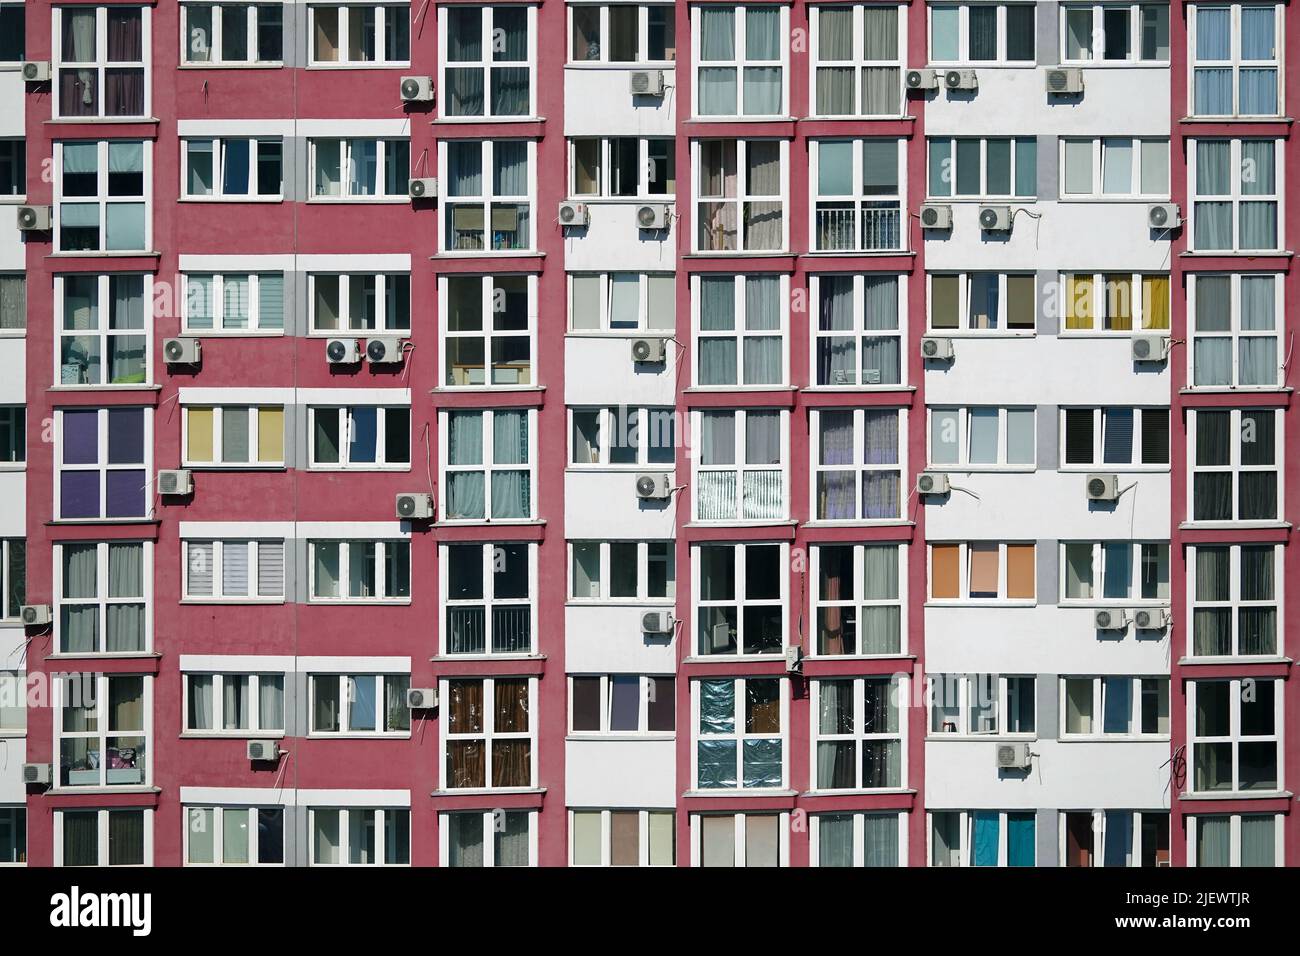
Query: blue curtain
[[1020, 839], [986, 839]]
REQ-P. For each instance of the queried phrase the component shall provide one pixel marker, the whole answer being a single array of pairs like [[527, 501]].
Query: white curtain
[[1258, 847], [198, 568], [125, 622], [201, 702], [1213, 841], [510, 489], [880, 832], [80, 623]]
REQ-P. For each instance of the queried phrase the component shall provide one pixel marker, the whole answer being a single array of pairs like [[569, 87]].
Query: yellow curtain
[[1155, 302], [198, 422], [1078, 302], [1119, 303], [270, 435]]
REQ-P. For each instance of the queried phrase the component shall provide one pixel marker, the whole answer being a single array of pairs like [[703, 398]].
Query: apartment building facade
[[620, 433]]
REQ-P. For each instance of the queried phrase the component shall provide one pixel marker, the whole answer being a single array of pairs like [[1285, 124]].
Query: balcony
[[762, 495], [860, 227]]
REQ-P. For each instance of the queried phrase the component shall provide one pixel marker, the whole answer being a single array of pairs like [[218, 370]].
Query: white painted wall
[[597, 102], [603, 372], [607, 639], [620, 772], [614, 242], [603, 505]]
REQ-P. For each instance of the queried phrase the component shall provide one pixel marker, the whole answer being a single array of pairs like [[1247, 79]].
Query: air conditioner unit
[[1164, 215], [922, 79], [1150, 618], [384, 351], [426, 188], [177, 481], [36, 71], [1068, 80], [1110, 619], [342, 352], [932, 483], [263, 750], [417, 89], [936, 216], [574, 214], [35, 218], [1103, 487], [793, 658], [648, 350], [646, 83], [421, 698], [960, 80], [38, 774], [415, 505], [1149, 348], [34, 614], [995, 218], [1014, 756], [657, 622], [182, 351], [721, 637], [653, 487], [653, 216], [938, 348]]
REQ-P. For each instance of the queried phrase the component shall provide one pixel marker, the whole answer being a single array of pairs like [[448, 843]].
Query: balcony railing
[[762, 495], [863, 227]]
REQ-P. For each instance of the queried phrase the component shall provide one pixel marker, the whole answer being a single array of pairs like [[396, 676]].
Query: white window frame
[[1235, 62], [618, 421], [739, 821], [1235, 467], [1097, 34], [1099, 440], [218, 151], [964, 415], [863, 206], [740, 600], [217, 295], [603, 44], [345, 686], [970, 691], [255, 726], [645, 691], [605, 170], [1235, 603], [1235, 198], [383, 558], [898, 693], [487, 735], [859, 467], [1099, 145], [102, 199], [951, 171], [215, 58], [485, 65], [218, 438], [742, 197], [382, 58], [101, 63], [856, 602], [1103, 292], [739, 469], [1234, 839], [345, 444], [1097, 706], [488, 821], [191, 553], [101, 466], [387, 149], [102, 734], [104, 333], [1235, 333], [963, 575], [857, 63], [605, 558], [739, 61], [485, 200], [196, 817], [859, 835], [487, 333], [963, 37], [487, 465], [102, 816], [1098, 578], [14, 692], [1235, 738], [488, 601], [13, 832], [965, 279], [966, 829], [859, 331], [345, 320], [607, 830], [1100, 828], [10, 612], [739, 735], [102, 601], [604, 320], [343, 850]]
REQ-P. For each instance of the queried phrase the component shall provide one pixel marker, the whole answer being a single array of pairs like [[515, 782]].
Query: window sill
[[264, 65], [620, 201], [473, 120], [1236, 254], [486, 523], [597, 66], [447, 658], [982, 333], [12, 734], [1117, 199], [103, 656], [344, 602], [1114, 468], [727, 389], [1085, 604], [1236, 795], [854, 253], [739, 254], [1241, 659], [488, 254], [88, 522], [983, 469], [980, 603], [860, 792], [1237, 390], [230, 602], [232, 735], [579, 737], [980, 738], [227, 200], [367, 65], [977, 200], [711, 659], [487, 791], [484, 389], [240, 467], [664, 602], [1234, 526], [355, 469], [234, 333], [733, 792], [13, 200], [864, 118], [100, 791], [111, 254], [358, 201], [1112, 738], [1194, 119], [126, 387], [358, 735], [100, 120], [619, 334], [848, 390]]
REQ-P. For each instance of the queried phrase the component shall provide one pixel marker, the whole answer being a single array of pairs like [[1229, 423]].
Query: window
[[1115, 571], [622, 166], [622, 704], [102, 196], [1236, 324], [13, 302], [1115, 32], [1111, 302], [1236, 461], [102, 460], [103, 589], [738, 743], [488, 465], [860, 601], [13, 820], [857, 192], [981, 705], [360, 704], [968, 168], [1235, 185], [858, 338], [1114, 706], [982, 437], [238, 303], [13, 31], [13, 167], [490, 733], [13, 577], [857, 839], [354, 169], [1136, 437], [489, 838], [13, 434], [1236, 599], [232, 34], [489, 598], [487, 56], [982, 571], [740, 54], [857, 64], [238, 704], [1117, 166], [359, 34], [616, 436], [740, 194], [354, 571], [1236, 839], [360, 437], [740, 839], [1236, 734], [983, 302], [623, 33], [230, 168], [101, 63], [740, 465], [103, 336], [102, 726], [234, 836], [622, 302], [623, 571], [359, 302], [234, 570], [859, 740], [740, 598], [857, 475], [1235, 59], [982, 33], [490, 329], [983, 838], [360, 836], [120, 837], [234, 436], [623, 837], [13, 707], [489, 194], [1115, 838]]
